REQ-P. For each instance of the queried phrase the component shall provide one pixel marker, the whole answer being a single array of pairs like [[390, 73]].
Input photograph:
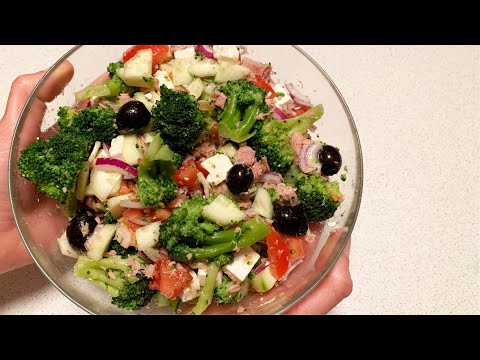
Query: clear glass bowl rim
[[318, 279]]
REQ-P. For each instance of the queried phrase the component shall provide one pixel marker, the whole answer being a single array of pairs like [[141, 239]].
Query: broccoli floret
[[120, 250], [116, 86], [53, 165], [272, 138], [92, 124], [186, 225], [222, 295], [155, 185], [318, 197], [112, 68], [179, 120], [127, 290], [245, 102]]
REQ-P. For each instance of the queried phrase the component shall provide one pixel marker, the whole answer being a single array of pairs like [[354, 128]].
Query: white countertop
[[416, 244]]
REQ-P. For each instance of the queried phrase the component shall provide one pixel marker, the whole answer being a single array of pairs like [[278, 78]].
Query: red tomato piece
[[278, 254], [296, 249], [170, 278], [201, 168], [187, 175], [260, 82]]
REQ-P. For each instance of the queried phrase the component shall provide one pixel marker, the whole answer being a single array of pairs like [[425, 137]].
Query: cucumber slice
[[223, 211], [264, 281], [152, 253], [100, 240], [228, 71], [180, 74], [262, 204], [131, 150], [196, 88], [82, 181], [229, 149], [147, 236], [65, 247], [100, 90], [204, 68], [140, 96], [103, 184], [138, 70], [114, 207]]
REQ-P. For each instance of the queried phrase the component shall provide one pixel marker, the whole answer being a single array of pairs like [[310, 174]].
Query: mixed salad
[[188, 176]]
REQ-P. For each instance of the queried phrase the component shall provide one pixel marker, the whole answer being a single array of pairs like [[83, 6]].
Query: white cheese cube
[[163, 79], [226, 52], [192, 290], [243, 263], [217, 167], [185, 53], [281, 100], [116, 147]]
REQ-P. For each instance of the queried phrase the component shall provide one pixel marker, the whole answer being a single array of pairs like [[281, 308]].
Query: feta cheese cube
[[217, 167], [185, 53], [192, 290], [281, 100], [163, 79], [243, 263], [229, 53], [116, 147]]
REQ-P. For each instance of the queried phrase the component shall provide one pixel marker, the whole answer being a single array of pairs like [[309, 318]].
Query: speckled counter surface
[[416, 244]]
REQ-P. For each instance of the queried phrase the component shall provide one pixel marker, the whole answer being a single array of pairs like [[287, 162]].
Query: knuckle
[[345, 286], [22, 82]]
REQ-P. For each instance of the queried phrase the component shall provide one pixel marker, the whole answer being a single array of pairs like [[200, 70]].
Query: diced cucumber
[[154, 97], [114, 207], [131, 150], [264, 281], [228, 71], [209, 90], [223, 211], [180, 74], [195, 88], [94, 152], [204, 68], [104, 183], [229, 149], [65, 247], [100, 240], [100, 90], [140, 96], [82, 181], [147, 236], [167, 68], [148, 137], [262, 204], [138, 70]]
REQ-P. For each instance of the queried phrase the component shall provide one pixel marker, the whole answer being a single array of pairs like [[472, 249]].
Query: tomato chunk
[[260, 82], [187, 175], [296, 249], [170, 278], [278, 254]]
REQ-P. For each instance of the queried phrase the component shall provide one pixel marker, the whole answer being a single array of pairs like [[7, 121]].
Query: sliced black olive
[[331, 160], [290, 220], [239, 179], [132, 117], [80, 227]]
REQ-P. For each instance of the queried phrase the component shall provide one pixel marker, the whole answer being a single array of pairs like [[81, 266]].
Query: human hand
[[13, 253], [335, 287]]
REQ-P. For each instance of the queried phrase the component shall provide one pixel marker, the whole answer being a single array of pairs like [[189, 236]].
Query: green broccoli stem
[[210, 252], [206, 295], [231, 114], [110, 289], [221, 237], [253, 231], [302, 122], [248, 121]]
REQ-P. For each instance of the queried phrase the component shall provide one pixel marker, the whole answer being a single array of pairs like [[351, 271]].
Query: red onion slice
[[206, 50], [261, 267], [107, 164], [130, 204], [279, 113], [308, 159], [272, 177], [298, 97]]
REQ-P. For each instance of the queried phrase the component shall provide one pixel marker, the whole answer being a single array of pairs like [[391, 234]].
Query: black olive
[[331, 160], [132, 117], [290, 220], [80, 227], [239, 179]]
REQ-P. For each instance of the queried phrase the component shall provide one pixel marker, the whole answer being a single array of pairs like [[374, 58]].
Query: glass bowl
[[40, 222]]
